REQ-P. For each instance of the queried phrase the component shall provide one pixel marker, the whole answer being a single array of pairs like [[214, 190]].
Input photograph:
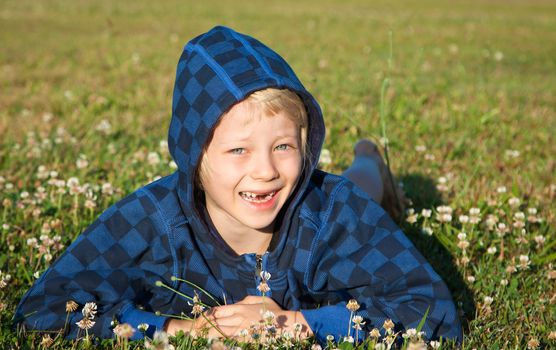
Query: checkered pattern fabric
[[335, 244]]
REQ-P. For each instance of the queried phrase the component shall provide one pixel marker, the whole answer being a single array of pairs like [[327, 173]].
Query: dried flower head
[[352, 305], [388, 325], [375, 333], [533, 343], [71, 306], [46, 341]]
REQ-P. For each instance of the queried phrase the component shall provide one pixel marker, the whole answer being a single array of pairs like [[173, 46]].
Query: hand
[[231, 319]]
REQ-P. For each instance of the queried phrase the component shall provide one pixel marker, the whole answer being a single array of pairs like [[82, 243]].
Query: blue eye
[[282, 147], [237, 151]]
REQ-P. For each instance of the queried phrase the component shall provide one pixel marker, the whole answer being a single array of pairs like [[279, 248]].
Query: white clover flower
[[519, 216], [504, 282], [540, 240], [42, 172], [153, 158], [163, 146], [411, 218], [444, 209], [348, 339], [427, 231], [464, 219], [463, 244], [107, 189], [316, 347], [330, 338], [471, 279], [72, 182], [420, 148], [265, 275], [524, 261], [269, 316], [445, 218], [491, 250], [82, 162], [488, 300], [358, 322], [532, 211], [462, 236], [85, 323], [325, 157], [426, 213], [124, 330], [104, 127], [89, 310], [514, 202], [68, 94], [135, 57], [435, 344]]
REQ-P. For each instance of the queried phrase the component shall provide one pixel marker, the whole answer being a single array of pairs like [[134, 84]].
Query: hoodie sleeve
[[360, 253], [113, 263]]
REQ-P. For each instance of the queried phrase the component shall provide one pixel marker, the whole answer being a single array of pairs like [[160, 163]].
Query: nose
[[263, 167]]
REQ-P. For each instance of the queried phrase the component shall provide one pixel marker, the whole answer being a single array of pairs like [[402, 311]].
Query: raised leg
[[369, 171]]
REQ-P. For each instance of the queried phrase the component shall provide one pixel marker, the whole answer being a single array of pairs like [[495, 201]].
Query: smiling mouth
[[257, 197]]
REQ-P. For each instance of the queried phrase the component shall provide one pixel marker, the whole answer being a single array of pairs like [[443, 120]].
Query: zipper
[[259, 267]]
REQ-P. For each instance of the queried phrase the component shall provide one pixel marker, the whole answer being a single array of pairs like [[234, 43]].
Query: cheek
[[292, 168]]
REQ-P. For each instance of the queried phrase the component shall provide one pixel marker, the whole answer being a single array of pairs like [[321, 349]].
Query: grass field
[[85, 92]]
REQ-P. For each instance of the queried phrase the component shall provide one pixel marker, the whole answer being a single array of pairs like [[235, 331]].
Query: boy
[[246, 198]]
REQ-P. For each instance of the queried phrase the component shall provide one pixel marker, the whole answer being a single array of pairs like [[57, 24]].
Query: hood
[[216, 70]]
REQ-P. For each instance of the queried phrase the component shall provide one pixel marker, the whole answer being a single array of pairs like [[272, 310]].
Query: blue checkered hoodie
[[334, 243]]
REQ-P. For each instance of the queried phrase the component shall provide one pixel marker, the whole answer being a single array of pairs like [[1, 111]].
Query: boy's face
[[250, 168]]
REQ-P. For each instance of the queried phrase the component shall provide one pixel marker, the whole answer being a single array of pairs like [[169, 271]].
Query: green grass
[[472, 81]]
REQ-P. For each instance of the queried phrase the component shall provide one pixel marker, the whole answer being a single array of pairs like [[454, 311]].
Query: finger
[[225, 311], [221, 331], [232, 321], [252, 299]]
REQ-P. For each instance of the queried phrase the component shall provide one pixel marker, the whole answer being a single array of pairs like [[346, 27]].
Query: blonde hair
[[272, 101]]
